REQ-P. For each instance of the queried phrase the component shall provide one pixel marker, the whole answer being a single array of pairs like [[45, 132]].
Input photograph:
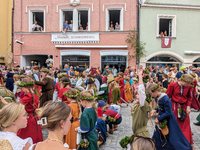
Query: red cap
[[104, 79], [92, 71]]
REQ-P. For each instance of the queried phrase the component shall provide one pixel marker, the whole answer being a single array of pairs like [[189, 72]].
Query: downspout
[[12, 26], [138, 27]]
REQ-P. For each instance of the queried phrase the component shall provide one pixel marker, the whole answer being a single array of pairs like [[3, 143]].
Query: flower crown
[[25, 84], [62, 75], [148, 98], [86, 98], [191, 82], [44, 70], [193, 75], [157, 87], [70, 96], [66, 82]]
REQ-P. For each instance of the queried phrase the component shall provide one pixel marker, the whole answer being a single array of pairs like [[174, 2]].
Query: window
[[83, 20], [37, 15], [114, 19], [74, 60], [78, 17], [166, 23]]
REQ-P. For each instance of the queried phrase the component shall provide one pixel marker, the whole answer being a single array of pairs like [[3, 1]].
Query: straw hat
[[110, 79]]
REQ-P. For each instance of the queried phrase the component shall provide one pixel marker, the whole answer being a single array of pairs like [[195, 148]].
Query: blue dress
[[101, 126], [10, 81], [175, 140]]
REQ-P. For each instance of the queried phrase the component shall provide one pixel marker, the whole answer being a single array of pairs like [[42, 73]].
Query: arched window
[[196, 63]]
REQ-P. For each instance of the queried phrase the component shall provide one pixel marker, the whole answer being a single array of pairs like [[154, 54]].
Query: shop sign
[[70, 37]]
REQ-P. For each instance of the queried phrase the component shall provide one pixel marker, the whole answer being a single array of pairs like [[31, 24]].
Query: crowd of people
[[81, 107]]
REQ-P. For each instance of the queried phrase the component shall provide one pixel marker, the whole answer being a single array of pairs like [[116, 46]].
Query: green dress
[[140, 118], [116, 94], [87, 122]]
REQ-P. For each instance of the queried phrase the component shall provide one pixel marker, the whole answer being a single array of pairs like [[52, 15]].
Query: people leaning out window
[[36, 27], [161, 34], [111, 27], [117, 26], [66, 26]]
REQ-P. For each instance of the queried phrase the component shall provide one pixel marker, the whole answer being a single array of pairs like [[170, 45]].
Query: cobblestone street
[[125, 129]]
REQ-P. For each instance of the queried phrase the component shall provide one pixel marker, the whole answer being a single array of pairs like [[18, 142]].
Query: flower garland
[[125, 141], [70, 96], [146, 72], [62, 75], [153, 90], [111, 119], [25, 84], [44, 70], [163, 124], [191, 82], [86, 98]]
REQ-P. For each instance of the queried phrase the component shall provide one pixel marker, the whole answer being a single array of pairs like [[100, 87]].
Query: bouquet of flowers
[[84, 144], [111, 119]]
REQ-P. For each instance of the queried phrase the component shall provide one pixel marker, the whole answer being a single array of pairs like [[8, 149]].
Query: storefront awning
[[91, 46]]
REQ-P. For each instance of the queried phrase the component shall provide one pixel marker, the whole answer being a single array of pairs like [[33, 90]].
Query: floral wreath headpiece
[[62, 75], [25, 84], [66, 82], [157, 87], [191, 82], [148, 98], [86, 98], [193, 75], [69, 95], [44, 70]]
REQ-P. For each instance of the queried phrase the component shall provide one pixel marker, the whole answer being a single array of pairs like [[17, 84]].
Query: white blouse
[[16, 142]]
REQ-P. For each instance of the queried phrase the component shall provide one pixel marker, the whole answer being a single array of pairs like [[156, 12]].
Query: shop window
[[166, 25], [37, 21], [114, 19], [78, 19], [83, 20]]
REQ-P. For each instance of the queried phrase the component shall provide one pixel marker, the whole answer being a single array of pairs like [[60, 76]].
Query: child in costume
[[65, 85], [195, 103], [180, 94], [113, 117], [104, 90], [115, 91], [70, 138], [101, 127], [80, 84], [16, 89], [140, 110], [122, 89], [31, 101], [88, 120], [168, 134], [128, 94], [92, 86]]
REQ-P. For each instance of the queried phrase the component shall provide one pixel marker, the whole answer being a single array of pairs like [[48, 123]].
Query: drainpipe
[[138, 25], [12, 25]]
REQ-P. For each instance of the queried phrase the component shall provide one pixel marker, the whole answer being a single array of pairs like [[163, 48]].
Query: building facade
[[181, 21], [89, 40], [5, 28]]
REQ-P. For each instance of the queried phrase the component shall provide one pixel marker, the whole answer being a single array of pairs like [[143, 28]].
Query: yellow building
[[5, 28]]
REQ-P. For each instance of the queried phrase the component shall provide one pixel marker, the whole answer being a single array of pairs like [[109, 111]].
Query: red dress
[[195, 103], [122, 90], [61, 96], [32, 130], [109, 94], [181, 96], [57, 86]]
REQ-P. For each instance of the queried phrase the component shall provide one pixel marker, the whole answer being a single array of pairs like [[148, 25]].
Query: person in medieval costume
[[93, 73], [47, 86], [168, 135], [80, 84], [195, 103], [128, 94], [17, 90], [122, 87], [31, 101], [180, 94], [1, 78], [10, 80], [37, 77], [140, 110], [104, 90]]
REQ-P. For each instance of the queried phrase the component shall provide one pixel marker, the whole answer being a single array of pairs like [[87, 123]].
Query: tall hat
[[110, 78]]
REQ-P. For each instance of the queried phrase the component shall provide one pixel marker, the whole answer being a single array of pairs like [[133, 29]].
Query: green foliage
[[148, 98], [111, 119], [25, 84], [84, 143], [136, 45], [163, 124], [125, 141], [179, 111]]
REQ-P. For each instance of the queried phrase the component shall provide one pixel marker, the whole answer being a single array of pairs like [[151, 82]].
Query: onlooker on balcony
[[71, 26], [87, 26], [36, 27], [111, 27], [65, 27], [117, 26], [161, 34]]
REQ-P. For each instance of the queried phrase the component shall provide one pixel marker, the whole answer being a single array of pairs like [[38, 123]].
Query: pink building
[[89, 40]]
